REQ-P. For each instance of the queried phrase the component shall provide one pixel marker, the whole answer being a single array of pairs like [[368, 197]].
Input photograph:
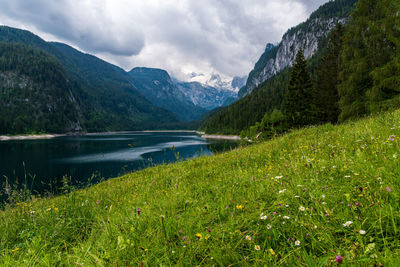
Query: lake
[[41, 164]]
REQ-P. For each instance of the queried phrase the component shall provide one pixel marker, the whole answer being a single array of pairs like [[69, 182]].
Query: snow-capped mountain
[[218, 81], [205, 96]]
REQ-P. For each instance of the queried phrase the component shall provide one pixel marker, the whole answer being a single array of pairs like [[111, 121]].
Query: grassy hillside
[[310, 198]]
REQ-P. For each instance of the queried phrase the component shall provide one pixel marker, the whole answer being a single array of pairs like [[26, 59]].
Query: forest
[[355, 72]]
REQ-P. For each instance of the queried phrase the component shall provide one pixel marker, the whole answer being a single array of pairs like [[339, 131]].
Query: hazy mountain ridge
[[156, 85], [204, 96]]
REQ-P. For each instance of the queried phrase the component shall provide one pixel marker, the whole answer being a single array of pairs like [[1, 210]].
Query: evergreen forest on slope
[[355, 72]]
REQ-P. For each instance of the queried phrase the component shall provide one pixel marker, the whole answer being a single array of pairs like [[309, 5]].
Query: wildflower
[[49, 209], [272, 251], [304, 190], [226, 207], [98, 202], [297, 243], [209, 230], [308, 234], [269, 226], [15, 250], [275, 213], [239, 207], [388, 189], [207, 237], [138, 211], [339, 259], [198, 236], [323, 196], [56, 209], [347, 176], [286, 217], [302, 208], [347, 224], [362, 232], [323, 203], [278, 177], [257, 247], [184, 238], [248, 237], [315, 227], [296, 196], [282, 191], [263, 217]]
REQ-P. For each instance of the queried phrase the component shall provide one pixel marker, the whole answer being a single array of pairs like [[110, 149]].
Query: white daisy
[[347, 224]]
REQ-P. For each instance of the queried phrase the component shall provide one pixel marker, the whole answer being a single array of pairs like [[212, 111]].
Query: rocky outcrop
[[276, 58]]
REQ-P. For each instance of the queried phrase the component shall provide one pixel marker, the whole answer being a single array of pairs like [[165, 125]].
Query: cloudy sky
[[182, 36]]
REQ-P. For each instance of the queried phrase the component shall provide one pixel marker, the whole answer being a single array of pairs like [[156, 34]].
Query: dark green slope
[[247, 111], [35, 95], [108, 101], [114, 102]]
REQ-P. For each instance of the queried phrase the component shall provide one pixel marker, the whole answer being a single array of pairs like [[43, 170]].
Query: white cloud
[[181, 36]]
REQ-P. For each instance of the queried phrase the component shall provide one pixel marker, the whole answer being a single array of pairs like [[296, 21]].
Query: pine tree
[[298, 100], [326, 88]]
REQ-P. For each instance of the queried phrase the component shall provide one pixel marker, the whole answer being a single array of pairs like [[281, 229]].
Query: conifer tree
[[298, 102], [326, 88]]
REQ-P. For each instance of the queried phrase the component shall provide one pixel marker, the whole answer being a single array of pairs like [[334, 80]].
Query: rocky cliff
[[307, 35]]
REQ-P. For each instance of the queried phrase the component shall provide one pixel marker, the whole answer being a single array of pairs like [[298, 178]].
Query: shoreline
[[50, 136], [225, 137]]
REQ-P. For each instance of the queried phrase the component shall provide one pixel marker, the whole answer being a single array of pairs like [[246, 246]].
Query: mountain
[[35, 95], [156, 85], [207, 97], [257, 102], [106, 98], [219, 82], [307, 35], [238, 82]]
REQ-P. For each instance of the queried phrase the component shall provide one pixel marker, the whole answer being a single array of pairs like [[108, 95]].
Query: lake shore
[[50, 136], [29, 137], [226, 137]]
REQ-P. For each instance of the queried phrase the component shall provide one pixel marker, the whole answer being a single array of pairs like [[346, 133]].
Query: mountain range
[[100, 96]]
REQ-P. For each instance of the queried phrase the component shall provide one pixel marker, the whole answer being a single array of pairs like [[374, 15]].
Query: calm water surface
[[41, 164]]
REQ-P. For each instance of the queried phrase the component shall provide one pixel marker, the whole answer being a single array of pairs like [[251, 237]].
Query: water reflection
[[79, 157]]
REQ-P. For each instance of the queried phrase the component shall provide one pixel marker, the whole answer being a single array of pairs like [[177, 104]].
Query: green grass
[[337, 173]]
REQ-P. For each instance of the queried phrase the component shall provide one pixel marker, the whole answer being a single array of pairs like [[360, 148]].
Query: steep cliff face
[[307, 35]]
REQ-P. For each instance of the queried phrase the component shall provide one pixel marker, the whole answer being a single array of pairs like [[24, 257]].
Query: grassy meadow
[[319, 196]]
